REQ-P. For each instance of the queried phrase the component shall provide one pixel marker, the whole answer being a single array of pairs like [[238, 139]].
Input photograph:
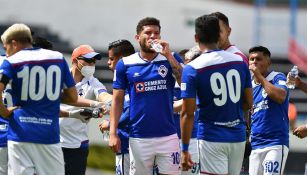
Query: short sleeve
[[188, 82], [6, 69], [120, 78], [98, 87], [280, 81], [248, 83], [67, 77]]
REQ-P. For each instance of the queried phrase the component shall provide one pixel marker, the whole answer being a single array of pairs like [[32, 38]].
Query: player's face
[[112, 59], [9, 49], [260, 61], [146, 36], [224, 34]]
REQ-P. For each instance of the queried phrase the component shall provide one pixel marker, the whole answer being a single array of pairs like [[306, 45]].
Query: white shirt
[[74, 131]]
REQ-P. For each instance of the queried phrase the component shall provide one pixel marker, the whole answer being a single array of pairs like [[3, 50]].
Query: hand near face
[[300, 131]]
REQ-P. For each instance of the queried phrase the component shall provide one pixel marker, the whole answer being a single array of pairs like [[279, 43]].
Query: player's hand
[[300, 131], [296, 79], [9, 111], [166, 50], [186, 161], [104, 125], [114, 143], [76, 114], [255, 70]]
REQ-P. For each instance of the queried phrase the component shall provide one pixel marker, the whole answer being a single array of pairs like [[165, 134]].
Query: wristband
[[184, 147]]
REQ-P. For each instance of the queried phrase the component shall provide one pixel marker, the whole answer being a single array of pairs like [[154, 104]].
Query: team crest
[[139, 87], [162, 71], [264, 94]]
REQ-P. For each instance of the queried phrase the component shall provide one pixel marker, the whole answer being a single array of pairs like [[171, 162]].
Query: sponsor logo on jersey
[[162, 70], [153, 85], [139, 87]]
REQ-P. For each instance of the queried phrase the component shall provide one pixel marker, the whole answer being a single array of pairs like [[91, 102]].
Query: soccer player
[[225, 31], [4, 126], [270, 123], [220, 82], [74, 132], [40, 79], [118, 49], [148, 76]]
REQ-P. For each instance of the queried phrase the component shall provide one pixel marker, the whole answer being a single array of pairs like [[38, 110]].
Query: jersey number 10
[[38, 82]]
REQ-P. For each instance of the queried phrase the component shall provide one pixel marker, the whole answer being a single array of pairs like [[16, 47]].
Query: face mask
[[87, 71]]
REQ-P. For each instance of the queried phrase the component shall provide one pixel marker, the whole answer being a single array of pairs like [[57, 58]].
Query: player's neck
[[208, 47], [148, 56], [226, 45]]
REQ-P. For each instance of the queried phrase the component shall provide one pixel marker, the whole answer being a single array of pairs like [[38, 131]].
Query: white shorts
[[122, 164], [221, 158], [162, 151], [268, 161], [3, 160], [193, 150], [30, 158]]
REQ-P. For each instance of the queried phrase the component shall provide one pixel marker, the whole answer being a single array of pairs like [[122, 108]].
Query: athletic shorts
[[220, 158], [122, 164], [268, 161], [3, 160], [30, 158], [162, 151]]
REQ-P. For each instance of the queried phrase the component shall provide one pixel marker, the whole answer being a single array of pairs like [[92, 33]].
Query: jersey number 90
[[226, 86], [38, 82]]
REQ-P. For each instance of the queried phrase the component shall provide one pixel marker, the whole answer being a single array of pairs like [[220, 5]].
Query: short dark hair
[[222, 17], [121, 48], [262, 49], [146, 22], [42, 43], [207, 29]]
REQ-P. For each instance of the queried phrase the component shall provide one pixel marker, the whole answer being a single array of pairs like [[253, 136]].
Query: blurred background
[[279, 25]]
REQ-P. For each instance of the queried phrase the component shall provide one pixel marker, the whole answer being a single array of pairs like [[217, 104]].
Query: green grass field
[[101, 157]]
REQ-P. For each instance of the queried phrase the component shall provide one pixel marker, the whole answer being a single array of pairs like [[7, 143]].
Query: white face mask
[[87, 71]]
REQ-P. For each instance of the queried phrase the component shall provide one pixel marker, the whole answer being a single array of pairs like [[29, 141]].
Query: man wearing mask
[[74, 132]]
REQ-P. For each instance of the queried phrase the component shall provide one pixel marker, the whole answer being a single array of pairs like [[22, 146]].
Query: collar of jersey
[[146, 60], [32, 48], [215, 50]]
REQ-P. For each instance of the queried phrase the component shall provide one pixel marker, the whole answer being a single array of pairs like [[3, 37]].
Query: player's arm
[[176, 66], [247, 99], [4, 112], [275, 93], [69, 95], [300, 84], [186, 125], [116, 111]]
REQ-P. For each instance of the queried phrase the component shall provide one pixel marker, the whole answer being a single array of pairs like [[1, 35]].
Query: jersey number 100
[[36, 82], [220, 85]]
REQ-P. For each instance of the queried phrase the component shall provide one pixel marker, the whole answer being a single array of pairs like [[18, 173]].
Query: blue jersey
[[218, 80], [150, 85], [4, 123], [269, 120], [37, 79], [123, 126]]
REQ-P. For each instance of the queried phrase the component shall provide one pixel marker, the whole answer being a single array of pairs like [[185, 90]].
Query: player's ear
[[137, 37], [229, 31], [196, 38]]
